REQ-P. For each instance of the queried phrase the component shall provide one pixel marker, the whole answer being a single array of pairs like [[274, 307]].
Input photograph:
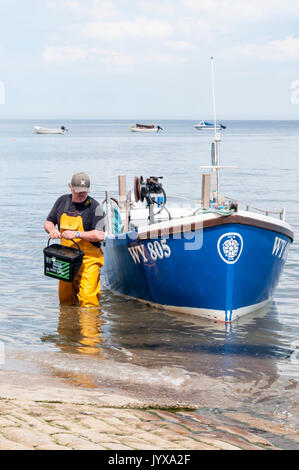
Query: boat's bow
[[210, 265]]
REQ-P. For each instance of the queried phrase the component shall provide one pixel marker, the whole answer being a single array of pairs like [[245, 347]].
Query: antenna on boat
[[215, 167], [213, 92], [215, 144]]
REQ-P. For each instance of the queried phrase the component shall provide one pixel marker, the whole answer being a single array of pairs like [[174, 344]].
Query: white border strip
[[218, 315]]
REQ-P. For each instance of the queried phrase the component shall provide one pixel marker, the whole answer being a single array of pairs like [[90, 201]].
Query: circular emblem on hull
[[230, 247]]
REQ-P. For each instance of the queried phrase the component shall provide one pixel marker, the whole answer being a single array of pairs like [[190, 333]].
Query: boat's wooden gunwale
[[156, 232]]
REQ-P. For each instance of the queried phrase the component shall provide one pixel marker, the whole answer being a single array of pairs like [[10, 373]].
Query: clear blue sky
[[148, 58]]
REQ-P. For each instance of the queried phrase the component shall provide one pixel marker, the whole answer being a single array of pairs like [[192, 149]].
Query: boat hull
[[234, 272], [209, 128], [144, 130], [39, 130]]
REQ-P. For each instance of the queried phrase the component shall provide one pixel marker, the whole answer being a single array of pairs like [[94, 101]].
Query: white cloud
[[278, 50], [241, 10], [196, 25], [116, 58], [104, 9], [63, 55], [157, 7], [164, 57], [178, 45], [200, 29], [117, 30], [93, 9]]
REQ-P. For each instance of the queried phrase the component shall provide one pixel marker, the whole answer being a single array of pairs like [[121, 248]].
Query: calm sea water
[[125, 346]]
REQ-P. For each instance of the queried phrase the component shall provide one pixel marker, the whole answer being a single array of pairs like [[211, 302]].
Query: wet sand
[[46, 413]]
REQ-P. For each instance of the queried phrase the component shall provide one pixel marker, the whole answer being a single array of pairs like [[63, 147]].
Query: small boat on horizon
[[209, 126], [44, 130], [149, 128]]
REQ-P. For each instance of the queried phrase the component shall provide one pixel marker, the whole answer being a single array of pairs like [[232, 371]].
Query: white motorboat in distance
[[43, 130], [209, 126], [151, 129]]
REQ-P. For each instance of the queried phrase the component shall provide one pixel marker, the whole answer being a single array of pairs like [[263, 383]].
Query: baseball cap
[[81, 183]]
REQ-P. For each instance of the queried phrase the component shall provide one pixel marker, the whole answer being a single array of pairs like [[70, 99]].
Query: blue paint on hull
[[199, 279]]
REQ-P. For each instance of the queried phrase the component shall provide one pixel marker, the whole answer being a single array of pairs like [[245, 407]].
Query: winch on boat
[[151, 191]]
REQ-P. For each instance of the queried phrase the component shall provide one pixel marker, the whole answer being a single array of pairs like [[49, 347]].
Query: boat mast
[[215, 167], [213, 93], [217, 140]]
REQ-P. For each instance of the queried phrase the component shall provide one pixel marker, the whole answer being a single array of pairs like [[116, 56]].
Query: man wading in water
[[79, 217]]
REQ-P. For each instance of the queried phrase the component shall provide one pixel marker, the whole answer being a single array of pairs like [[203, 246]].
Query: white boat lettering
[[136, 251], [135, 254], [141, 250], [159, 250], [166, 249], [279, 248]]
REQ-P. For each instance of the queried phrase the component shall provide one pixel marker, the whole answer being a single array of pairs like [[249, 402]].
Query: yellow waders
[[86, 286], [81, 327]]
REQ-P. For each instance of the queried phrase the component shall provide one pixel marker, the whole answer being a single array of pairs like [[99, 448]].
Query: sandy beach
[[52, 415]]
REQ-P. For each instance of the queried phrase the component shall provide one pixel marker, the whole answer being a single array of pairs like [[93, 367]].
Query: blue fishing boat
[[214, 260]]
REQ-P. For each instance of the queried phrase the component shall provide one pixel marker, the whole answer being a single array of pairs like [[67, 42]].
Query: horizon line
[[94, 118]]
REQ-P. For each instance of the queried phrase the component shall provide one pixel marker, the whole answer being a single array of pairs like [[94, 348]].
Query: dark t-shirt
[[90, 210]]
